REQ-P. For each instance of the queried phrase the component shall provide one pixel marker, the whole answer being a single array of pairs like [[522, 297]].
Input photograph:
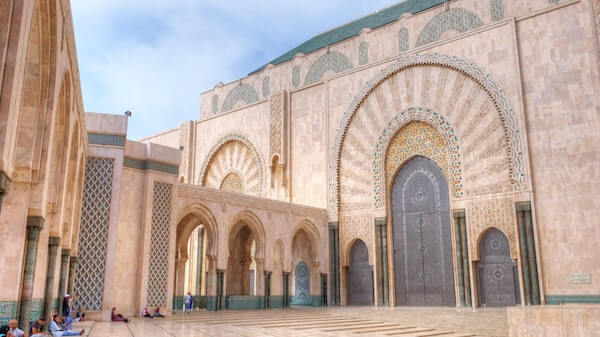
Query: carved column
[[334, 258], [267, 301], [53, 244], [382, 261], [4, 186], [179, 283], [34, 226], [259, 287], [528, 255], [199, 261], [72, 268], [465, 258], [62, 281]]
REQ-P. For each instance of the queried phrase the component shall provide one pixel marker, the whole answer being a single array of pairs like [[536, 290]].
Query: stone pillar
[[382, 261], [34, 226], [267, 301], [465, 257], [528, 255], [64, 274], [259, 287], [459, 260], [53, 244], [4, 186], [72, 269], [199, 261], [179, 291], [334, 242]]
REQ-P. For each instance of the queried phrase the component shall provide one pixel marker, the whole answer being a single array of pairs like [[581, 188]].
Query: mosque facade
[[434, 153]]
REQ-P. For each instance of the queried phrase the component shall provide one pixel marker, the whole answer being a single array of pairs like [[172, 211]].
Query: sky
[[155, 57]]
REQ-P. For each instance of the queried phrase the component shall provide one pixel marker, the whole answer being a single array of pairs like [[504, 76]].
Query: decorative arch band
[[232, 138], [509, 124], [430, 117]]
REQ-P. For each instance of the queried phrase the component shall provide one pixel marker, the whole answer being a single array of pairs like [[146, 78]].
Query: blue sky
[[155, 57]]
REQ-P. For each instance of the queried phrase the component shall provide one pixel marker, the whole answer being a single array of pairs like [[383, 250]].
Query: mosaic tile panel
[[403, 39], [8, 311], [363, 53], [158, 266], [456, 19], [106, 139], [266, 87], [215, 104], [296, 76], [497, 9], [242, 92], [423, 132], [334, 61], [232, 183], [93, 235]]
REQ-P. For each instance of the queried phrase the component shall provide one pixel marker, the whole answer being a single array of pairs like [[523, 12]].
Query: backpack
[[4, 329]]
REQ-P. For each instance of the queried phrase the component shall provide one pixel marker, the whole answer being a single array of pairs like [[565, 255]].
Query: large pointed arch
[[491, 102]]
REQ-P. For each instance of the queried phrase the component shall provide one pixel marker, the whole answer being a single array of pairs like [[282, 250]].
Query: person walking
[[188, 301]]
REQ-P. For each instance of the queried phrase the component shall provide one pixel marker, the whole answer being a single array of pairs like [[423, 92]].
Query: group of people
[[62, 325]]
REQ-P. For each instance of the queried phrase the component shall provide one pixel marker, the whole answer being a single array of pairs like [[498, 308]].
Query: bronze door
[[423, 267], [359, 283], [497, 272]]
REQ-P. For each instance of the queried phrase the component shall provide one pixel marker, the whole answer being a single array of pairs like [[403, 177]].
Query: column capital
[[65, 252], [334, 225], [73, 259], [54, 241], [380, 221], [35, 223], [4, 183], [458, 213], [523, 206]]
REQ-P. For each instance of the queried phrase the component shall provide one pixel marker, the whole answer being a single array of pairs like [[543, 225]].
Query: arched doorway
[[359, 280], [303, 256], [302, 285], [496, 271], [241, 269], [423, 268], [195, 256]]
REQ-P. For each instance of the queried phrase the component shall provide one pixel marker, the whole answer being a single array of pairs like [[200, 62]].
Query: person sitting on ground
[[35, 328], [115, 317], [56, 330], [146, 313], [157, 313], [80, 316], [14, 329]]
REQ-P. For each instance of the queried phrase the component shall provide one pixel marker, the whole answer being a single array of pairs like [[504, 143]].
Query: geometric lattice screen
[[159, 245], [93, 234]]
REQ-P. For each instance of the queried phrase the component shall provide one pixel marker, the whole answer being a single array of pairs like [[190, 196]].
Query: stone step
[[407, 332], [316, 324], [388, 327]]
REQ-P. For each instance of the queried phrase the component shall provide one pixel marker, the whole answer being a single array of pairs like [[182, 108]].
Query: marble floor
[[344, 322]]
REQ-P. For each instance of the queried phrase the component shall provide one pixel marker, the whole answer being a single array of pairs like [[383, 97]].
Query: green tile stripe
[[353, 28], [244, 302], [106, 139], [8, 311], [151, 165], [276, 302], [563, 299]]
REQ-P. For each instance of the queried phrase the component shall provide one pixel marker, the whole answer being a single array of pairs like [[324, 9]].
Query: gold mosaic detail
[[232, 183], [416, 138]]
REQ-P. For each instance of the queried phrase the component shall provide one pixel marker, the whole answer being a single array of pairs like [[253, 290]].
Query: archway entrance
[[423, 268], [241, 269], [496, 272], [302, 257], [194, 257], [360, 276]]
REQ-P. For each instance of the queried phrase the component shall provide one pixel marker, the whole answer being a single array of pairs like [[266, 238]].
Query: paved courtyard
[[406, 322]]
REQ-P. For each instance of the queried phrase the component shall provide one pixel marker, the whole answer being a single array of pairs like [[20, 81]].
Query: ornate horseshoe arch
[[516, 167]]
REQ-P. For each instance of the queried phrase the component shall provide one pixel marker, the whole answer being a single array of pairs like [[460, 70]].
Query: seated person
[[14, 330], [157, 312], [115, 317], [80, 316], [146, 313], [56, 330], [35, 328]]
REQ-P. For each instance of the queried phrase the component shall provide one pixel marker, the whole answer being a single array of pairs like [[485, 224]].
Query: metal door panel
[[497, 280], [424, 273], [302, 291], [360, 276]]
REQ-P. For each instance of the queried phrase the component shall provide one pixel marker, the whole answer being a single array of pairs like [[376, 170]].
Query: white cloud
[[154, 57]]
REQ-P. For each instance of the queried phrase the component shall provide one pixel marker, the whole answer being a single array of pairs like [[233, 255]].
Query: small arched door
[[496, 271], [302, 291], [359, 283]]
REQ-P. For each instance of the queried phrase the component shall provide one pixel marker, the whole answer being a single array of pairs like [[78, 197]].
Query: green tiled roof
[[351, 29]]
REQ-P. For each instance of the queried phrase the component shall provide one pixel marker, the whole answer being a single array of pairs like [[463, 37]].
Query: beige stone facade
[[290, 169]]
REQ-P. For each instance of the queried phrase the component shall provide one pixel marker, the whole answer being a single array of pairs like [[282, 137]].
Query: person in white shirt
[[57, 331], [14, 330]]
